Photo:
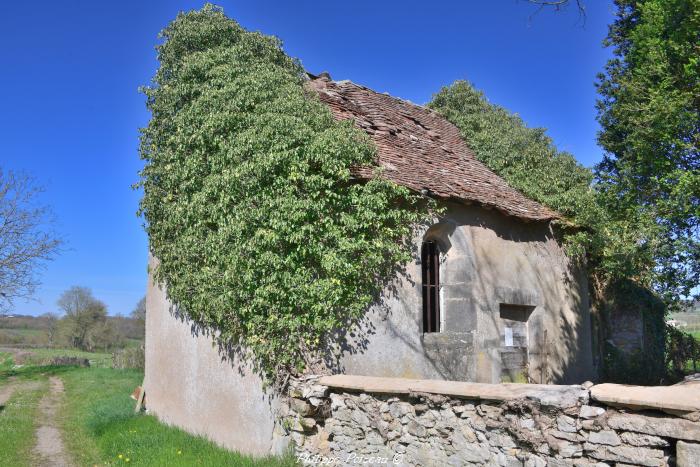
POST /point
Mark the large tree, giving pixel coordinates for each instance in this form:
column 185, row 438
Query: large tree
column 26, row 238
column 649, row 111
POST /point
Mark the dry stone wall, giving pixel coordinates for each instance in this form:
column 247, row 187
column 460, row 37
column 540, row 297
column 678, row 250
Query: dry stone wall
column 508, row 425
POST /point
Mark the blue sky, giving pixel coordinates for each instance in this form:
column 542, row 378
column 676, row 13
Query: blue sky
column 71, row 110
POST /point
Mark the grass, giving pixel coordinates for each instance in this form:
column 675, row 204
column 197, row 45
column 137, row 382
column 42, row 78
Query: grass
column 44, row 356
column 100, row 426
column 17, row 424
column 25, row 332
column 97, row 421
column 6, row 363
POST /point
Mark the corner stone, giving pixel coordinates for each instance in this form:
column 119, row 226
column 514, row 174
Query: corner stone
column 687, row 454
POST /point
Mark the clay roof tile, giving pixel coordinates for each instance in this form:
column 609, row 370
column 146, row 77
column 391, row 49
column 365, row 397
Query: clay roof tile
column 422, row 150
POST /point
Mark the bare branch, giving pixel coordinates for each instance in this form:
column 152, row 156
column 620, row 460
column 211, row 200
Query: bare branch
column 26, row 242
column 559, row 5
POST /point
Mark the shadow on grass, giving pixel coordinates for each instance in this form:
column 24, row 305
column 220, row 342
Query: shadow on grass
column 30, row 372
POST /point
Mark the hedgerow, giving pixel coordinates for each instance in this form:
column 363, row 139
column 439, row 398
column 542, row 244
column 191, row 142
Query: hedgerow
column 260, row 229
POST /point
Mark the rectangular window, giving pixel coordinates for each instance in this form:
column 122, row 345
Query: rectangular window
column 430, row 265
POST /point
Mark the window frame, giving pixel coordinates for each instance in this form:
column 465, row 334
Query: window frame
column 431, row 287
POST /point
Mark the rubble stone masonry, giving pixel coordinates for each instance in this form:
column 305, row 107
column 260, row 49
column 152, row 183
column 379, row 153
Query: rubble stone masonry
column 355, row 420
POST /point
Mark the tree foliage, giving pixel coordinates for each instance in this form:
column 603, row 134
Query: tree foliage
column 260, row 230
column 85, row 325
column 649, row 112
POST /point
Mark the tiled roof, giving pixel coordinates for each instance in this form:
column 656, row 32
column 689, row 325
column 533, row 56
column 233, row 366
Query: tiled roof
column 422, row 150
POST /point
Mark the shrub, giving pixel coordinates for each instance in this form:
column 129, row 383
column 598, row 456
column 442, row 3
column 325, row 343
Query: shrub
column 130, row 357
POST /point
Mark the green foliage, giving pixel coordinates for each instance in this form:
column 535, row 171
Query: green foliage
column 528, row 160
column 644, row 366
column 85, row 325
column 525, row 157
column 260, row 229
column 649, row 112
column 683, row 351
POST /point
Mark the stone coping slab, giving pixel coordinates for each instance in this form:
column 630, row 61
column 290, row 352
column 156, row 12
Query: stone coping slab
column 681, row 397
column 546, row 394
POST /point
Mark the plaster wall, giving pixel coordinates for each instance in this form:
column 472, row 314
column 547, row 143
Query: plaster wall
column 192, row 384
column 489, row 260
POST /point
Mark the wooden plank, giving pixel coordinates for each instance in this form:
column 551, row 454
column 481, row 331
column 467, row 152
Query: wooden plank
column 139, row 399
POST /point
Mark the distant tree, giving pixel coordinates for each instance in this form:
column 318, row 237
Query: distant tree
column 558, row 4
column 26, row 242
column 85, row 324
column 139, row 312
column 51, row 320
column 139, row 315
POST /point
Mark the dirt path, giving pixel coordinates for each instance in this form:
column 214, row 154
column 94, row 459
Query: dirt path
column 49, row 449
column 8, row 390
column 5, row 394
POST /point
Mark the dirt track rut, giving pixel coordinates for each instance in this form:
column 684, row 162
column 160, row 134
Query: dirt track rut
column 49, row 449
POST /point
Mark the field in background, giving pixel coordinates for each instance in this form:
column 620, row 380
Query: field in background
column 97, row 420
column 688, row 322
column 41, row 331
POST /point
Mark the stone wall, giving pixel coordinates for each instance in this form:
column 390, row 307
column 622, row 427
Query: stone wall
column 346, row 420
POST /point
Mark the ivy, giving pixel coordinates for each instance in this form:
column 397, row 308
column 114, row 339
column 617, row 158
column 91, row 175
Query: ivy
column 261, row 232
column 527, row 159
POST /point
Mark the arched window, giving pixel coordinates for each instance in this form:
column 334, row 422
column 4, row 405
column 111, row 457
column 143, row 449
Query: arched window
column 430, row 265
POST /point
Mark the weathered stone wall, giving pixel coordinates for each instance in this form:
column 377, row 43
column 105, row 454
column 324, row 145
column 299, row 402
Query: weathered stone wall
column 488, row 261
column 527, row 425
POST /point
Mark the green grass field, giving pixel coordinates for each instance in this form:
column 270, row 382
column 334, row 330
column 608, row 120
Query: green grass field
column 26, row 332
column 98, row 423
column 44, row 356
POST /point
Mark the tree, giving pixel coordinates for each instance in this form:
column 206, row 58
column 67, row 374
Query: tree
column 139, row 312
column 260, row 230
column 26, row 242
column 137, row 321
column 649, row 112
column 51, row 320
column 85, row 324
